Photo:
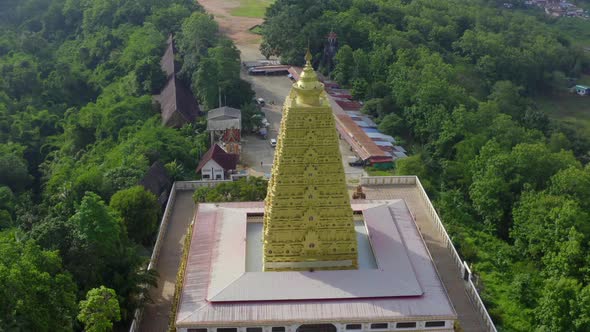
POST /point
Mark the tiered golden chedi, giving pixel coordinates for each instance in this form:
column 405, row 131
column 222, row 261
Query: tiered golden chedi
column 308, row 221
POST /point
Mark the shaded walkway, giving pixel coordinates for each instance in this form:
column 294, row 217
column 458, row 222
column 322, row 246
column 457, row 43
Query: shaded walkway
column 156, row 315
column 468, row 316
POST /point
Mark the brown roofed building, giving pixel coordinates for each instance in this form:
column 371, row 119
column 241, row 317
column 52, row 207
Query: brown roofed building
column 157, row 181
column 177, row 102
column 216, row 164
column 168, row 62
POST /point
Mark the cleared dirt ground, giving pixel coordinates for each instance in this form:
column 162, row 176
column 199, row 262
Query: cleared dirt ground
column 235, row 27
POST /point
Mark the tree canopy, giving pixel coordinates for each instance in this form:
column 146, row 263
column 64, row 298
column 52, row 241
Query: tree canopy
column 455, row 82
column 37, row 293
column 99, row 310
column 79, row 129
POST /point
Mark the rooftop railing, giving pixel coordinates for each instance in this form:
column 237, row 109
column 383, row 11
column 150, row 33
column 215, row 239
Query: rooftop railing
column 461, row 266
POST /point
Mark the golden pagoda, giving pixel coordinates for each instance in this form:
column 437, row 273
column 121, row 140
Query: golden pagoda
column 308, row 220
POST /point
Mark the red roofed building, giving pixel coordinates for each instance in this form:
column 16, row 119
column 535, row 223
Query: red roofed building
column 349, row 105
column 216, row 164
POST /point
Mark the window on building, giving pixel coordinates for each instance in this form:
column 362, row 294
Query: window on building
column 378, row 326
column 227, row 329
column 438, row 323
column 197, row 330
column 217, row 176
column 354, row 327
column 205, row 176
column 278, row 329
column 254, row 329
column 405, row 325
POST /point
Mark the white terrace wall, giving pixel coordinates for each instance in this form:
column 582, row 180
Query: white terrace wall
column 179, row 185
column 461, row 266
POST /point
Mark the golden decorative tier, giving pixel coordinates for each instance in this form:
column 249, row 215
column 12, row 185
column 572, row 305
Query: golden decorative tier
column 308, row 221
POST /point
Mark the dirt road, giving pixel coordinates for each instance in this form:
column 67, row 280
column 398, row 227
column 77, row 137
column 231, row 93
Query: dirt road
column 273, row 89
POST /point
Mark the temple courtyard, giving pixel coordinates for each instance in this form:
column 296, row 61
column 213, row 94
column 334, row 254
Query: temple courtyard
column 156, row 315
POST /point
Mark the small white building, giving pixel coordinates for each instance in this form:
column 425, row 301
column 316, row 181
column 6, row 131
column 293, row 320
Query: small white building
column 216, row 164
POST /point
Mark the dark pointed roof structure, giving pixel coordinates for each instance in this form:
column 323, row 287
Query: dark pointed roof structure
column 177, row 102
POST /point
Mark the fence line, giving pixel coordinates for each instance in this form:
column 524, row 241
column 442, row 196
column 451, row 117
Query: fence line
column 179, row 185
column 192, row 185
column 461, row 266
column 138, row 314
column 388, row 180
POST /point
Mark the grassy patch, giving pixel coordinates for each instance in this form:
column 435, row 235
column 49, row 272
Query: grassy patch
column 569, row 108
column 576, row 28
column 379, row 172
column 251, row 8
column 257, row 29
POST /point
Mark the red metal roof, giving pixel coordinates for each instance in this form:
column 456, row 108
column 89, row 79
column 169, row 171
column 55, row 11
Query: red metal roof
column 361, row 143
column 225, row 160
column 349, row 105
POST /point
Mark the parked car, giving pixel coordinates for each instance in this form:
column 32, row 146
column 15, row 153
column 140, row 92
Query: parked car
column 273, row 142
column 357, row 163
column 260, row 102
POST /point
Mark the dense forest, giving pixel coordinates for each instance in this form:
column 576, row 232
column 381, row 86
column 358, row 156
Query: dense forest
column 78, row 129
column 454, row 80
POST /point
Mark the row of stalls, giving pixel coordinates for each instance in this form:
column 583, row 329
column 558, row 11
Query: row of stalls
column 359, row 130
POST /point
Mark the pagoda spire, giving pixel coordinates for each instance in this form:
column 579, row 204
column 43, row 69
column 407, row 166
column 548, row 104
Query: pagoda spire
column 308, row 88
column 308, row 220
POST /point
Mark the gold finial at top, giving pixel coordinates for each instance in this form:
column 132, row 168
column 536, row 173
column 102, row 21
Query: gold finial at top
column 308, row 57
column 308, row 87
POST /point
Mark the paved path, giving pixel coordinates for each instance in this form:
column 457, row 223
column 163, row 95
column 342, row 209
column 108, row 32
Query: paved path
column 155, row 315
column 468, row 317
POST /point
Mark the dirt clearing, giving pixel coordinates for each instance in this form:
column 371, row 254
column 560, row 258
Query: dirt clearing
column 237, row 27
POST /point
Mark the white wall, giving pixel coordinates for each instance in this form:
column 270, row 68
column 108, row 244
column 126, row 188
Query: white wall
column 212, row 171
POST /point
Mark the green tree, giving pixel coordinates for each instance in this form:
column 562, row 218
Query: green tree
column 14, row 172
column 169, row 18
column 392, row 124
column 37, row 293
column 99, row 310
column 144, row 42
column 139, row 210
column 563, row 306
column 98, row 225
column 574, row 183
column 20, row 72
column 204, row 83
column 344, row 70
column 251, row 117
column 509, row 99
column 499, row 177
column 198, row 33
column 250, row 189
column 542, row 222
column 569, row 258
